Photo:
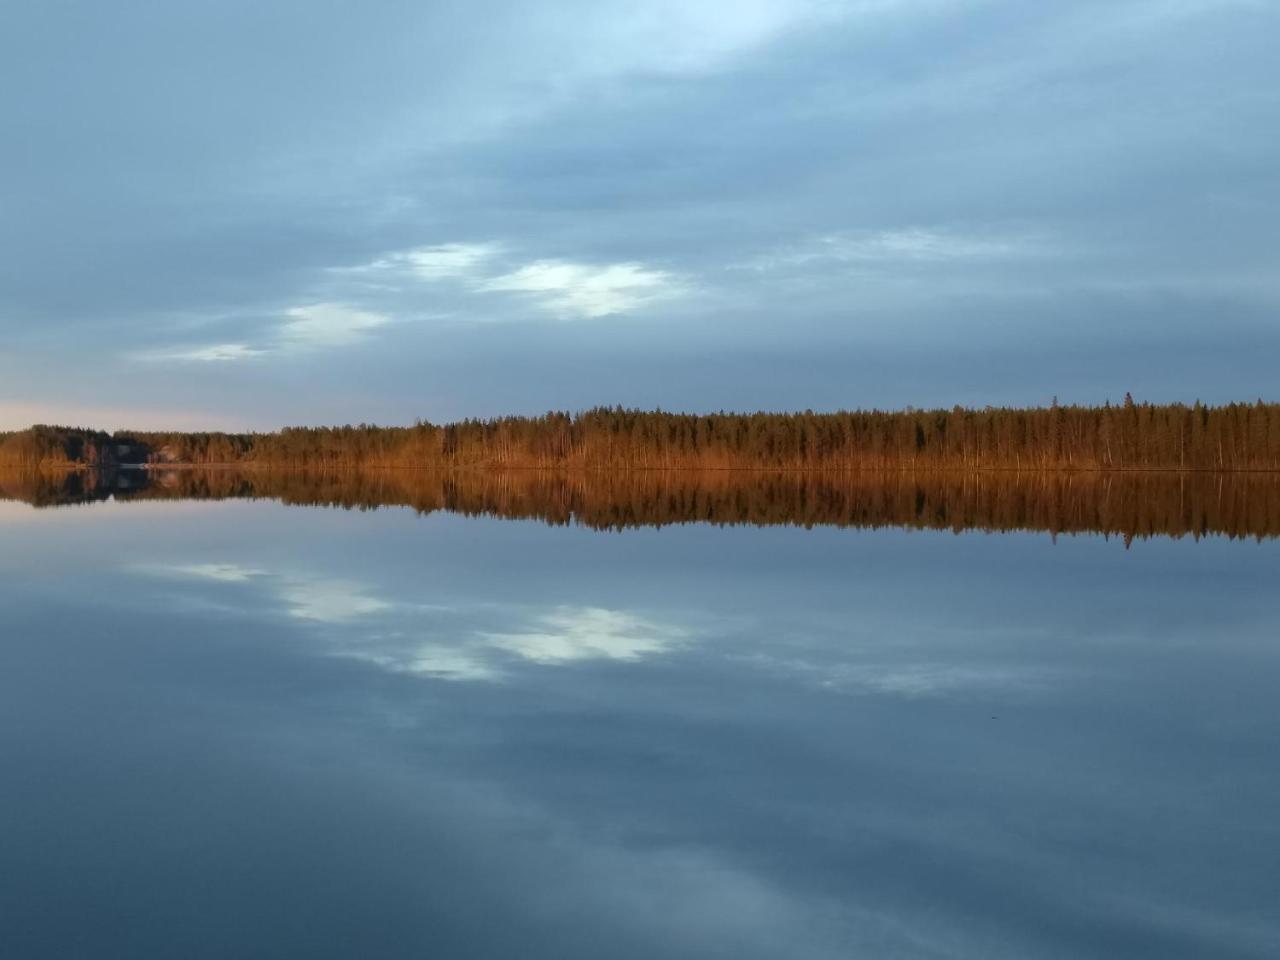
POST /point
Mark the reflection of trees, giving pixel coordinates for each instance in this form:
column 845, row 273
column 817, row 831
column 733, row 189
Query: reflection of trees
column 1122, row 504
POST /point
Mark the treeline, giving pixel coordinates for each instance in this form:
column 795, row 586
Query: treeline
column 57, row 446
column 1130, row 436
column 1122, row 504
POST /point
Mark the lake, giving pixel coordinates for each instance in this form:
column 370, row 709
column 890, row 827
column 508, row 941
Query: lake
column 542, row 718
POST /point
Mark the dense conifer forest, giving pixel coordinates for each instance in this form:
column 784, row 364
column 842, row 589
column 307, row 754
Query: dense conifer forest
column 1129, row 436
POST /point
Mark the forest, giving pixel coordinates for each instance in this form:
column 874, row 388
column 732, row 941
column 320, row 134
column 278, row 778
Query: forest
column 1127, row 436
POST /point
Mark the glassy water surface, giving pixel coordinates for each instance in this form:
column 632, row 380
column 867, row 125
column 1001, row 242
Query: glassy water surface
column 240, row 728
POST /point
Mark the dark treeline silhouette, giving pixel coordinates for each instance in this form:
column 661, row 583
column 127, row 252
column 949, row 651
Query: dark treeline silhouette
column 1131, row 436
column 1127, row 505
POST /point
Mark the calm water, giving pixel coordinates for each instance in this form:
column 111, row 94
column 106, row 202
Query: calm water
column 242, row 729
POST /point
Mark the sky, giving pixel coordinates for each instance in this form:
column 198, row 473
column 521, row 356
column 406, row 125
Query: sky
column 242, row 215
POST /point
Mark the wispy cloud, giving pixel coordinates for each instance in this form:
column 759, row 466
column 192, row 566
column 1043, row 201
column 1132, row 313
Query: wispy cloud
column 917, row 243
column 906, row 245
column 442, row 661
column 307, row 326
column 220, row 572
column 449, row 260
column 210, row 353
column 583, row 290
column 561, row 288
column 328, row 324
column 445, row 261
column 399, row 281
column 588, row 161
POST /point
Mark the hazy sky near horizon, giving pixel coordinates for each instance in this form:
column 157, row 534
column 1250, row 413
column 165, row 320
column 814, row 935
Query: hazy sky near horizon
column 244, row 214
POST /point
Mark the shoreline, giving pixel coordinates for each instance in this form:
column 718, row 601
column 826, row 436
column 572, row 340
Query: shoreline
column 498, row 468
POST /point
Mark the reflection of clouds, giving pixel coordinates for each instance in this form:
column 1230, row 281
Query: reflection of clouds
column 564, row 635
column 936, row 679
column 403, row 652
column 475, row 642
column 330, row 601
column 307, row 598
column 484, row 642
column 708, row 901
column 451, row 663
column 909, row 678
column 588, row 633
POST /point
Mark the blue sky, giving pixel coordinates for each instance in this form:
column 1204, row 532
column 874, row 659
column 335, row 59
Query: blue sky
column 237, row 214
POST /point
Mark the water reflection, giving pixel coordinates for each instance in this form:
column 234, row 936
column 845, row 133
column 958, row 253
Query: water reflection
column 1126, row 505
column 457, row 641
column 237, row 729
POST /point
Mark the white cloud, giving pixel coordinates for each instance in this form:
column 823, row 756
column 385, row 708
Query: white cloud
column 212, row 353
column 221, row 572
column 445, row 261
column 563, row 288
column 324, row 324
column 448, row 260
column 329, row 324
column 906, row 246
column 583, row 290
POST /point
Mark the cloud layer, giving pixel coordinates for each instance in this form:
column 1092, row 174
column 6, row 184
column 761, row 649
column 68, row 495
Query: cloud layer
column 443, row 210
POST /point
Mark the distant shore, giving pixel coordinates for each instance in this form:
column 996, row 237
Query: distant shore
column 1238, row 437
